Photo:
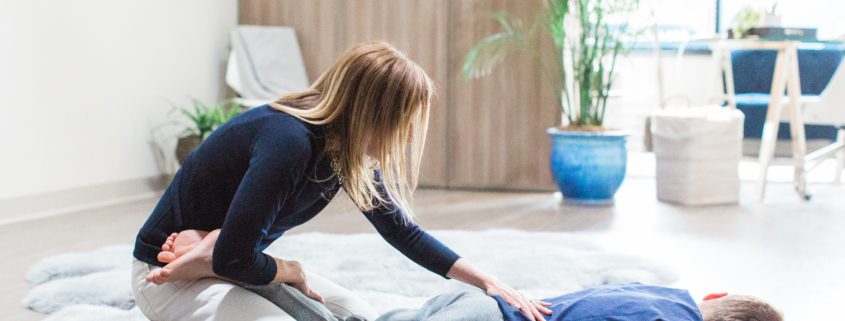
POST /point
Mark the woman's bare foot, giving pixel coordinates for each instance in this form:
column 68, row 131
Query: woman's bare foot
column 177, row 244
column 191, row 263
column 166, row 255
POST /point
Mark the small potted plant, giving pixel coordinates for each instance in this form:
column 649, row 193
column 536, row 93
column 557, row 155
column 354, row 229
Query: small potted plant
column 749, row 20
column 588, row 160
column 204, row 120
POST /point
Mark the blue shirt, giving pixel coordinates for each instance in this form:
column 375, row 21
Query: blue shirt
column 621, row 302
column 255, row 177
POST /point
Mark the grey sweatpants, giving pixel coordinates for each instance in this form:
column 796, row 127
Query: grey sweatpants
column 463, row 306
column 215, row 299
column 471, row 305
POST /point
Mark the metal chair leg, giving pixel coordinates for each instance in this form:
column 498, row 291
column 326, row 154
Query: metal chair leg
column 840, row 155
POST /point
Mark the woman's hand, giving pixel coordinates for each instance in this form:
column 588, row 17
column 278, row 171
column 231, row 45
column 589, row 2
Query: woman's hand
column 534, row 309
column 290, row 272
column 465, row 272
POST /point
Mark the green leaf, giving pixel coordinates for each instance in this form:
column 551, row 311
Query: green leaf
column 492, row 50
column 585, row 54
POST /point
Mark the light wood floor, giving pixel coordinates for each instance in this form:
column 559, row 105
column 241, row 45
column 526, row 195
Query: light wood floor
column 785, row 250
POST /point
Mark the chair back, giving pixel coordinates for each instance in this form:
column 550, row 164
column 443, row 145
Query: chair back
column 753, row 69
column 265, row 62
column 830, row 107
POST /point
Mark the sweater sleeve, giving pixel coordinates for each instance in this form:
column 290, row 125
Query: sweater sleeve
column 393, row 224
column 278, row 160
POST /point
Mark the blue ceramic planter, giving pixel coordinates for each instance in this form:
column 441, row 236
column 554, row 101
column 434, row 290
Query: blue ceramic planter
column 588, row 166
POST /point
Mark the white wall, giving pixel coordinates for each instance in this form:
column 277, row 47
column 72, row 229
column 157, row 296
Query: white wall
column 82, row 82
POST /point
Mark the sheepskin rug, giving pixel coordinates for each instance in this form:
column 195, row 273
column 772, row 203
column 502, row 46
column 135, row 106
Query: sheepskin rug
column 95, row 285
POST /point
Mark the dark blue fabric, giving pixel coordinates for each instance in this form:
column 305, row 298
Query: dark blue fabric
column 753, row 71
column 621, row 302
column 257, row 176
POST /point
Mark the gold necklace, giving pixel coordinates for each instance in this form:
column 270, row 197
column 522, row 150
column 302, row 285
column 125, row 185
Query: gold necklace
column 337, row 169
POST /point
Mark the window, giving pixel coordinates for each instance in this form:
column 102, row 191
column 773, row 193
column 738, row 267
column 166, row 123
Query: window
column 825, row 15
column 678, row 21
column 681, row 21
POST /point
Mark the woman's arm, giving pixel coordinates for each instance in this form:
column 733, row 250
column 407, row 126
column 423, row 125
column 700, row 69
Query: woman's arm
column 392, row 223
column 463, row 271
column 412, row 241
column 279, row 157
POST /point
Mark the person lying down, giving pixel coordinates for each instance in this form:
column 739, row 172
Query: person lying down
column 622, row 302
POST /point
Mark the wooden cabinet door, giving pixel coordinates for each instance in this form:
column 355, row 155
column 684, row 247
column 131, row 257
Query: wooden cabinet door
column 484, row 134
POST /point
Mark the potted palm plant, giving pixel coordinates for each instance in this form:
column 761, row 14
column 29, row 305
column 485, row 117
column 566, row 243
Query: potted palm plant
column 588, row 160
column 204, row 120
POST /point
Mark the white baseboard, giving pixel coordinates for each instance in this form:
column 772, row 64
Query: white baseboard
column 79, row 199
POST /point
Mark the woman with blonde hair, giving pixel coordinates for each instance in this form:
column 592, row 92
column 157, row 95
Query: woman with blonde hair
column 275, row 167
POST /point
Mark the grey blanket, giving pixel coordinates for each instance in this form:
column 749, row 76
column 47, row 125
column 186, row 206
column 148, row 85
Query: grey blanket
column 457, row 306
column 268, row 62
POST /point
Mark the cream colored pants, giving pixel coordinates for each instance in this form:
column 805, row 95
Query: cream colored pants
column 215, row 299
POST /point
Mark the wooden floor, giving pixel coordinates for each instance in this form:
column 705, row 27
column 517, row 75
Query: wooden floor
column 785, row 250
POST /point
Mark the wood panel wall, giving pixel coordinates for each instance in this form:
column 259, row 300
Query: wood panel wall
column 484, row 134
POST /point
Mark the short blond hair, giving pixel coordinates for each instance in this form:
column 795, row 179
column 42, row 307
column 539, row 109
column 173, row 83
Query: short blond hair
column 739, row 308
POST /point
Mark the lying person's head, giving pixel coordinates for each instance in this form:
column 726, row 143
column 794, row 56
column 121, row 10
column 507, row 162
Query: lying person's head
column 723, row 307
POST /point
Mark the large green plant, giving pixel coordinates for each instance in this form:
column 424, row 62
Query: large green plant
column 588, row 35
column 205, row 119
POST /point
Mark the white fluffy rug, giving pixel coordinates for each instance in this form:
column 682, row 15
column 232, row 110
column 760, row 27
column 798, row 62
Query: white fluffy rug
column 95, row 285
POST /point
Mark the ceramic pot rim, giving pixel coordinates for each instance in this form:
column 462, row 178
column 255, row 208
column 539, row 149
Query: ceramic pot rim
column 555, row 131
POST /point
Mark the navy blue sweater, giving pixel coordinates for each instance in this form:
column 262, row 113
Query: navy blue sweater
column 255, row 177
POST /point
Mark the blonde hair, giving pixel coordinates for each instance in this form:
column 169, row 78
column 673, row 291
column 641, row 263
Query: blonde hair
column 739, row 308
column 374, row 93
